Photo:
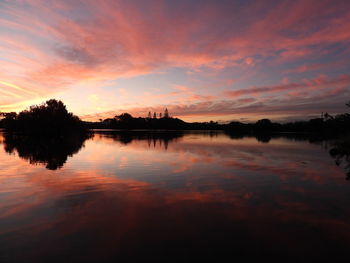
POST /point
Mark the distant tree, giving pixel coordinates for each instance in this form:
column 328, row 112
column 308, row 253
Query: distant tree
column 154, row 115
column 327, row 116
column 124, row 117
column 348, row 104
column 166, row 113
column 149, row 115
column 263, row 122
column 263, row 125
column 160, row 115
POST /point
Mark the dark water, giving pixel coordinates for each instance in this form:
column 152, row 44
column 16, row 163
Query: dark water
column 172, row 196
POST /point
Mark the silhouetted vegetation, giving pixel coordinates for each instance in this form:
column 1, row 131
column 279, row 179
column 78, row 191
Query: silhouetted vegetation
column 339, row 124
column 49, row 151
column 126, row 121
column 50, row 117
column 327, row 125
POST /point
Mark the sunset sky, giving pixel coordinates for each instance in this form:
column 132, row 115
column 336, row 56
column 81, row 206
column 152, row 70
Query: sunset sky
column 203, row 60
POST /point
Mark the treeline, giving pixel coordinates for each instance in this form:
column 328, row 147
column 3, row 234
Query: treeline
column 327, row 124
column 52, row 117
column 127, row 121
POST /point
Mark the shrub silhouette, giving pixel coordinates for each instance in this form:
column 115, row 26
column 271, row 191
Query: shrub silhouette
column 50, row 117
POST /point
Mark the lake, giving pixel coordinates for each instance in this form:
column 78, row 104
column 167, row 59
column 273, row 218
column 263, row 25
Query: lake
column 172, row 196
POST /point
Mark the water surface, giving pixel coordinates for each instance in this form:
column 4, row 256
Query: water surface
column 122, row 195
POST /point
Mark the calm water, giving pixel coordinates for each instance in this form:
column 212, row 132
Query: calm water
column 123, row 195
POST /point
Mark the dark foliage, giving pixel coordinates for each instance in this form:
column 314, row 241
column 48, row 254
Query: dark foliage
column 334, row 125
column 327, row 125
column 126, row 121
column 50, row 117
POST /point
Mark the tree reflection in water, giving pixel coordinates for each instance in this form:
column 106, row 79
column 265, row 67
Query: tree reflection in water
column 54, row 151
column 49, row 151
column 154, row 138
column 340, row 151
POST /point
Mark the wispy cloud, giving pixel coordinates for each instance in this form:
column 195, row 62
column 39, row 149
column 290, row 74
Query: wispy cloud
column 50, row 47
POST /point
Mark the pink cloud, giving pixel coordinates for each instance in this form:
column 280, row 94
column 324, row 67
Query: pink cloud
column 54, row 46
column 317, row 83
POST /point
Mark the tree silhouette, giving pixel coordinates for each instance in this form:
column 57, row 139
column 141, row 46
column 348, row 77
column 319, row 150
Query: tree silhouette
column 50, row 117
column 124, row 117
column 154, row 115
column 166, row 113
column 327, row 116
column 263, row 125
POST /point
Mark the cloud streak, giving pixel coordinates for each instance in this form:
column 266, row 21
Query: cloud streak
column 316, row 84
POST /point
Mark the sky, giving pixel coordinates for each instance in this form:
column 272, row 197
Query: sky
column 203, row 60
